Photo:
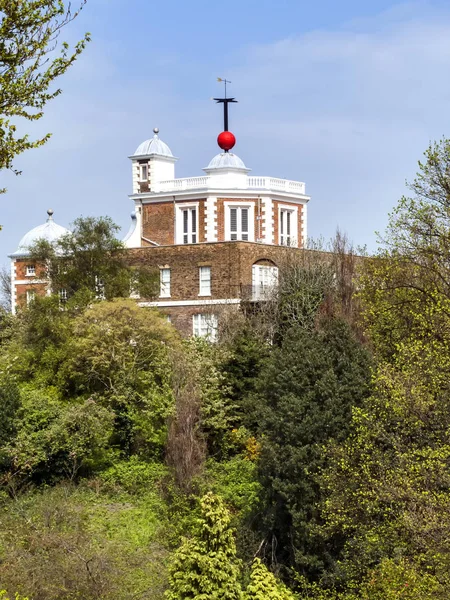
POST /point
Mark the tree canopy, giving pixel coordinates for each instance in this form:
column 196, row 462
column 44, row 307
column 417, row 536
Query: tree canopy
column 29, row 66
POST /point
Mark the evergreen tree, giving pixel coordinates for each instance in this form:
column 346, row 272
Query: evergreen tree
column 205, row 567
column 305, row 397
column 264, row 585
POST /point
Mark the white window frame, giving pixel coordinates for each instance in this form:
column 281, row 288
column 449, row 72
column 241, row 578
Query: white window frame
column 251, row 220
column 63, row 295
column 143, row 169
column 264, row 281
column 204, row 279
column 164, row 282
column 31, row 271
column 179, row 223
column 205, row 325
column 31, row 296
column 291, row 239
column 99, row 288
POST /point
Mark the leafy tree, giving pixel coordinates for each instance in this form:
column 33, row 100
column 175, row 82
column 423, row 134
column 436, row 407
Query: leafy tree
column 304, row 398
column 264, row 586
column 29, row 31
column 91, row 263
column 205, row 566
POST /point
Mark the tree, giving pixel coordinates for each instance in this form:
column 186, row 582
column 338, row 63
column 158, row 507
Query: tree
column 90, row 262
column 5, row 289
column 264, row 585
column 305, row 396
column 29, row 31
column 205, row 566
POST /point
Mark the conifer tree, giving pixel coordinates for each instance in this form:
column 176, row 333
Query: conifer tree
column 264, row 585
column 205, row 567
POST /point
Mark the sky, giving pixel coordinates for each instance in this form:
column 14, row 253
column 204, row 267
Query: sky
column 345, row 96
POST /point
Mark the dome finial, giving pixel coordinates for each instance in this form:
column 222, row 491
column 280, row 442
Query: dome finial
column 50, row 214
column 156, row 130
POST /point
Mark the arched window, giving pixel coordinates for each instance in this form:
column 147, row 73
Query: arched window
column 264, row 279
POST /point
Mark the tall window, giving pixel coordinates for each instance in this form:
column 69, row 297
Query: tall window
column 205, row 326
column 164, row 283
column 31, row 295
column 239, row 223
column 189, row 216
column 144, row 172
column 205, row 281
column 31, row 270
column 264, row 280
column 63, row 295
column 287, row 225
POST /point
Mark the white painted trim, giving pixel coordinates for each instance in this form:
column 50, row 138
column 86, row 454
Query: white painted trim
column 267, row 221
column 211, row 219
column 304, row 226
column 186, row 196
column 251, row 219
column 294, row 211
column 179, row 222
column 175, row 303
column 29, row 282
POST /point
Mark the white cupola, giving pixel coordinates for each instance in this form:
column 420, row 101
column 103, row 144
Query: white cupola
column 152, row 162
column 227, row 170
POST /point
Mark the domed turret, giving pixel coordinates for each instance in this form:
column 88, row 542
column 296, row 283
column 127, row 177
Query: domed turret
column 226, row 160
column 153, row 162
column 48, row 231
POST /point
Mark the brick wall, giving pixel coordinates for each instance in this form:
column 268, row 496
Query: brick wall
column 158, row 223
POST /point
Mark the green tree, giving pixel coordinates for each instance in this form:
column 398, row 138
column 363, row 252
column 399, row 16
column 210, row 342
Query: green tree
column 29, row 31
column 264, row 585
column 205, row 566
column 304, row 398
column 90, row 262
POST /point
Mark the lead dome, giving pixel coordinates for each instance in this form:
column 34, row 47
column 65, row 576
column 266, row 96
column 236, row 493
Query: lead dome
column 153, row 147
column 226, row 160
column 49, row 231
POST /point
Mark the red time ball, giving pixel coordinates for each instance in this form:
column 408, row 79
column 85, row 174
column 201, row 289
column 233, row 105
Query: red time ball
column 226, row 140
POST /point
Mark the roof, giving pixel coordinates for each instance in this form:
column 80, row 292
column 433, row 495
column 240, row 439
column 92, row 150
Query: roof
column 226, row 160
column 153, row 147
column 48, row 231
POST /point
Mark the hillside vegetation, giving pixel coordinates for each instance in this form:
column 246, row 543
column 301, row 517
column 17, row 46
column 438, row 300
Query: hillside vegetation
column 306, row 455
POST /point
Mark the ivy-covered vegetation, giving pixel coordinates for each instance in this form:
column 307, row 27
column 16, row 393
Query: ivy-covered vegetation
column 305, row 455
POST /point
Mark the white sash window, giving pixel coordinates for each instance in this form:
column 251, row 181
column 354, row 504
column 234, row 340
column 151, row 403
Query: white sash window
column 164, row 283
column 187, row 224
column 288, row 226
column 239, row 222
column 205, row 281
column 264, row 280
column 205, row 326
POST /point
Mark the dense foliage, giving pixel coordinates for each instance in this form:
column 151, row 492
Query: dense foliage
column 306, row 455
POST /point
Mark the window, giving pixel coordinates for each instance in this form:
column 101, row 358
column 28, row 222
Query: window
column 31, row 270
column 205, row 281
column 264, row 280
column 205, row 326
column 288, row 226
column 239, row 221
column 164, row 283
column 31, row 295
column 63, row 296
column 189, row 225
column 99, row 288
column 144, row 172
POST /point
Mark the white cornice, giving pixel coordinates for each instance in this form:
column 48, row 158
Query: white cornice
column 200, row 194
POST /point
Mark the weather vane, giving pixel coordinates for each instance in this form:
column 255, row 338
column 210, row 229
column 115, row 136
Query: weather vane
column 225, row 101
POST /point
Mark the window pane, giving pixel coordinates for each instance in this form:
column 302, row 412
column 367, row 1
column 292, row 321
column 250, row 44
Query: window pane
column 244, row 221
column 194, row 220
column 164, row 290
column 281, row 223
column 244, row 237
column 205, row 281
column 233, row 221
column 288, row 222
column 185, row 222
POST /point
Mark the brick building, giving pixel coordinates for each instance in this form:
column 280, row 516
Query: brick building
column 216, row 239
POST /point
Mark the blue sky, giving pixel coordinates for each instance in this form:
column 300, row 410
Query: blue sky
column 342, row 95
